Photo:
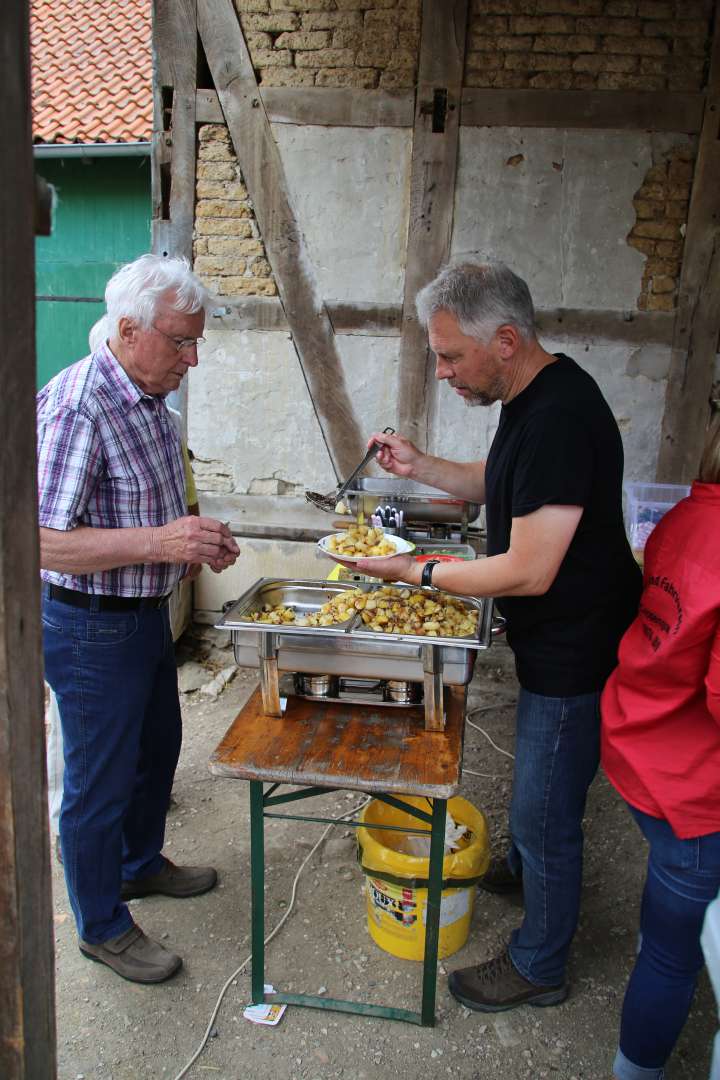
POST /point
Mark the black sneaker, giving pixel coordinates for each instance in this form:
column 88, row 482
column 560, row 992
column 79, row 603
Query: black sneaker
column 500, row 878
column 497, row 985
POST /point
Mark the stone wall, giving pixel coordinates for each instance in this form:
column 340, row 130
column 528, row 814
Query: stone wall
column 229, row 255
column 360, row 43
column 589, row 44
column 661, row 208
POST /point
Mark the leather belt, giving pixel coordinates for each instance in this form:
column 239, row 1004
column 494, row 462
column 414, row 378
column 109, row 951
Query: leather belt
column 105, row 603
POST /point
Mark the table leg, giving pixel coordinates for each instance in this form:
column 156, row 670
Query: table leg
column 269, row 685
column 432, row 925
column 433, row 687
column 257, row 891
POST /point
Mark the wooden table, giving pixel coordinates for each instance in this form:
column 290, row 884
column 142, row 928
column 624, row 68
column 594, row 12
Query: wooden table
column 326, row 746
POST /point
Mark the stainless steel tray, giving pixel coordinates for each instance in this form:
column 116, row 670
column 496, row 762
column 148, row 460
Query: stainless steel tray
column 305, row 597
column 420, row 502
column 347, row 648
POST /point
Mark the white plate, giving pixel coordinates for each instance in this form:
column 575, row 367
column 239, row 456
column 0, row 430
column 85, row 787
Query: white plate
column 402, row 547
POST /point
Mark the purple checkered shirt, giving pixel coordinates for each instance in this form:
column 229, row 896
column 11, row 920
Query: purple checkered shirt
column 109, row 456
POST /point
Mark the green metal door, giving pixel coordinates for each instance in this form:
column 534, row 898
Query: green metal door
column 101, row 220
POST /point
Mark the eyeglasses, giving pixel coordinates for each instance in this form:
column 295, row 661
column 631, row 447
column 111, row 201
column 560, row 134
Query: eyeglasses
column 181, row 343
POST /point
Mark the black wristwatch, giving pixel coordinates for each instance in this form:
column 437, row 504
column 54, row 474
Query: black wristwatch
column 426, row 578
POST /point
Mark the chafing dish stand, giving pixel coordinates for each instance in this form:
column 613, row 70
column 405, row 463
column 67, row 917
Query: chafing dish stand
column 322, row 747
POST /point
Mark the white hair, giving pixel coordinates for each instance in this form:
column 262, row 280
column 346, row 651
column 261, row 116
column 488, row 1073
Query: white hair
column 137, row 290
column 482, row 297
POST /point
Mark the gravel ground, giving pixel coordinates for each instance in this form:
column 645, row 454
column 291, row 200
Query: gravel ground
column 110, row 1029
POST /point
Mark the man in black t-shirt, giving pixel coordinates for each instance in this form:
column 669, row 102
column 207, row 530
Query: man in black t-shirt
column 563, row 575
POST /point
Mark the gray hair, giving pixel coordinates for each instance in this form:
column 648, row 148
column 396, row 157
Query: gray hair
column 482, row 297
column 138, row 289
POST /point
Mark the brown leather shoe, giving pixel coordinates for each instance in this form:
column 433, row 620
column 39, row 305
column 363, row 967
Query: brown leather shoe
column 500, row 879
column 497, row 985
column 134, row 956
column 171, row 880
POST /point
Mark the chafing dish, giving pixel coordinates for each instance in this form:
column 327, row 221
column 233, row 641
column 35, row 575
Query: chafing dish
column 418, row 502
column 349, row 649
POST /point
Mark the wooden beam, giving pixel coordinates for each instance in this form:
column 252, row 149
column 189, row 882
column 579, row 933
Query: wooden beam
column 621, row 109
column 27, row 969
column 596, row 327
column 262, row 169
column 266, row 313
column 697, row 324
column 385, row 320
column 173, row 140
column 340, row 108
column 322, row 107
column 432, row 194
column 624, row 110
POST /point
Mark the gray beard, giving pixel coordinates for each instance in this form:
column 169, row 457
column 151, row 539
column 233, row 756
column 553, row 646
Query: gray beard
column 479, row 399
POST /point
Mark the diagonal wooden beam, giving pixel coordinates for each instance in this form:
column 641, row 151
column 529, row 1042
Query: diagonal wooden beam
column 432, row 194
column 262, row 169
column 697, row 325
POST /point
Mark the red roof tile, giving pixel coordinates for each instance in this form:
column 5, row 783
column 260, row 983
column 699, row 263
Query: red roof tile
column 91, row 70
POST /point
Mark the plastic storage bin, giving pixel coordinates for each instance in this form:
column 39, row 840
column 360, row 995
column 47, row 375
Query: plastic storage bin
column 396, row 882
column 646, row 504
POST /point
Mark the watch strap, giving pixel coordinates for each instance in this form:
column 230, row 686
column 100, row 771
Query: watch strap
column 426, row 578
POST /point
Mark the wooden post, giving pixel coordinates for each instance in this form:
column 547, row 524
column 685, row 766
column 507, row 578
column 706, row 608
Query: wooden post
column 173, row 141
column 27, row 996
column 262, row 170
column 697, row 324
column 174, row 43
column 432, row 195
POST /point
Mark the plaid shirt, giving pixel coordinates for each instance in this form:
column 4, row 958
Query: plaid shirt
column 109, row 456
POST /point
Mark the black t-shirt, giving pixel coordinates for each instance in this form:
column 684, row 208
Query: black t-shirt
column 558, row 444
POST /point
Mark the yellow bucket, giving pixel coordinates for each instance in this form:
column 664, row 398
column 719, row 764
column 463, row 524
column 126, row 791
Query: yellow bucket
column 396, row 882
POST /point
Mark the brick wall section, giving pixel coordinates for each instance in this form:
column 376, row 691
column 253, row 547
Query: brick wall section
column 661, row 208
column 359, row 43
column 229, row 256
column 589, row 44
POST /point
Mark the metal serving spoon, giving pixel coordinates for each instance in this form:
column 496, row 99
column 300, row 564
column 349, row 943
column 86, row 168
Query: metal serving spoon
column 329, row 502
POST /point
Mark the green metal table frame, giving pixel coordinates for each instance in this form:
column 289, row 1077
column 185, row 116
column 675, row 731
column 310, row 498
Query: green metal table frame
column 259, row 801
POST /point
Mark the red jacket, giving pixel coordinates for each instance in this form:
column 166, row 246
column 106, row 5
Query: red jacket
column 661, row 705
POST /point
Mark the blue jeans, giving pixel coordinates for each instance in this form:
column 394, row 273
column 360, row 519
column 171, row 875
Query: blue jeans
column 115, row 679
column 683, row 877
column 556, row 757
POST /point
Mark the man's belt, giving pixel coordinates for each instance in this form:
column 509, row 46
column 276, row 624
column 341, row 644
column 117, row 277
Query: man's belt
column 105, row 603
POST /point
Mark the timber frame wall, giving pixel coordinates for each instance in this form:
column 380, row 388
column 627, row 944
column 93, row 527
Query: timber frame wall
column 435, row 109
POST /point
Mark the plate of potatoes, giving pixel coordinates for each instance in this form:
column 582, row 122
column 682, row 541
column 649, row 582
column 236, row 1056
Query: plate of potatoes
column 363, row 542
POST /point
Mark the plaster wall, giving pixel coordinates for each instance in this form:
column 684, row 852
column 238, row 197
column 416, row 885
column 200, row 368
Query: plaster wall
column 557, row 206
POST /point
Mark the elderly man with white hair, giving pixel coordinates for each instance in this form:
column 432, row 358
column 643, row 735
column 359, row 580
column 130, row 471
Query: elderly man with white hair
column 115, row 539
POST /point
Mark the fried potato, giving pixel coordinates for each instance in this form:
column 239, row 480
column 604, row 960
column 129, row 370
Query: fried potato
column 361, row 540
column 337, row 610
column 399, row 611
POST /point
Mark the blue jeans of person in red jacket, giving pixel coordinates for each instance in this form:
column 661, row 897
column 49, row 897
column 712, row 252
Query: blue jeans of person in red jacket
column 683, row 877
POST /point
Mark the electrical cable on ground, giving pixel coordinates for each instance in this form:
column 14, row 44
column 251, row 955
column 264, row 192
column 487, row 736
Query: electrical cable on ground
column 184, row 1071
column 486, row 708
